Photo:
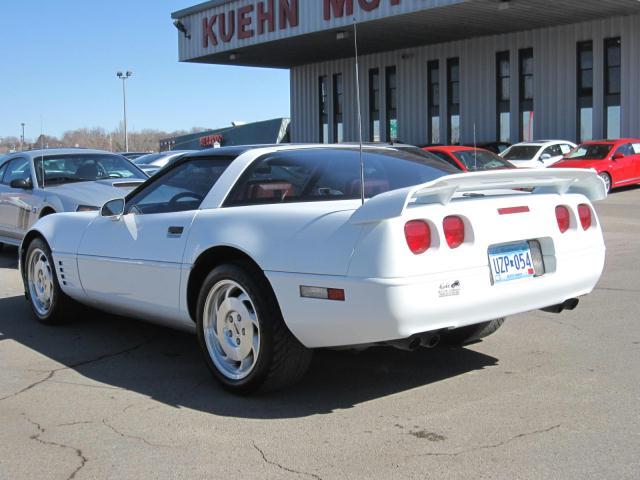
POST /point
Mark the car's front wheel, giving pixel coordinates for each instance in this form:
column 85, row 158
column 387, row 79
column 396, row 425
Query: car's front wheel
column 242, row 334
column 607, row 181
column 48, row 302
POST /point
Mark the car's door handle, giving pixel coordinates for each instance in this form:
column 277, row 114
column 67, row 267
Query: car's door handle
column 175, row 230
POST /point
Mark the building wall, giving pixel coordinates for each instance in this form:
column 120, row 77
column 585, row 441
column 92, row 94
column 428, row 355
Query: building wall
column 555, row 77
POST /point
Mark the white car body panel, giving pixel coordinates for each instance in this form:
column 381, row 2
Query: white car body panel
column 132, row 266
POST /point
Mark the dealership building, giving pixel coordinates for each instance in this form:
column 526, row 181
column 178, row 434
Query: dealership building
column 435, row 71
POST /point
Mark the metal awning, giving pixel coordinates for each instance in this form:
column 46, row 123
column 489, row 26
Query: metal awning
column 456, row 20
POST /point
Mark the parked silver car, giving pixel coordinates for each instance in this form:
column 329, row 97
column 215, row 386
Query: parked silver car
column 40, row 182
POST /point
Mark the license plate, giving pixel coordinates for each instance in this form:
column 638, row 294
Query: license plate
column 511, row 262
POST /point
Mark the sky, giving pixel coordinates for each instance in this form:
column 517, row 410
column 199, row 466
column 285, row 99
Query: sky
column 59, row 62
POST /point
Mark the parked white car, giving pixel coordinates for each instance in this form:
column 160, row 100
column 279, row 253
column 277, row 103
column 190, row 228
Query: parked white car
column 268, row 253
column 541, row 154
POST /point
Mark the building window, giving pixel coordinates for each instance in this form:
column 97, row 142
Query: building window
column 453, row 100
column 433, row 95
column 374, row 105
column 338, row 124
column 612, row 86
column 503, row 96
column 391, row 122
column 585, row 91
column 323, row 95
column 526, row 95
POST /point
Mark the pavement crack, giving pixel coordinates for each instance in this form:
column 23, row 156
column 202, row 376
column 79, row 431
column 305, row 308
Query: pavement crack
column 42, row 431
column 133, row 437
column 488, row 446
column 282, row 467
column 52, row 372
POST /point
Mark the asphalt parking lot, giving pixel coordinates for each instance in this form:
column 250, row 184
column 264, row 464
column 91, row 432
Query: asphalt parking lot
column 548, row 396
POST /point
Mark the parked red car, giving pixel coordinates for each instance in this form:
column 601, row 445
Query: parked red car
column 616, row 161
column 469, row 159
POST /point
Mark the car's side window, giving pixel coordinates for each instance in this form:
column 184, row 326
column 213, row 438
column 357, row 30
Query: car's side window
column 625, row 149
column 565, row 149
column 180, row 189
column 17, row 169
column 553, row 151
column 3, row 167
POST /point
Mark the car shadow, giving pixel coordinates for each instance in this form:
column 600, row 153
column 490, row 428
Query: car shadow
column 166, row 366
column 9, row 257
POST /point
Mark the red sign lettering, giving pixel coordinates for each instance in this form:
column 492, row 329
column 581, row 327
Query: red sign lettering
column 227, row 29
column 288, row 10
column 340, row 8
column 266, row 16
column 211, row 140
column 244, row 21
column 207, row 32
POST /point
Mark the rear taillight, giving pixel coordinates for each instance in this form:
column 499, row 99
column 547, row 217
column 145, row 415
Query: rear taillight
column 584, row 212
column 418, row 235
column 563, row 217
column 453, row 231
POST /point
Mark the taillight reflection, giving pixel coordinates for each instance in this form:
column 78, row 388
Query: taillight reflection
column 418, row 235
column 563, row 217
column 584, row 212
column 453, row 231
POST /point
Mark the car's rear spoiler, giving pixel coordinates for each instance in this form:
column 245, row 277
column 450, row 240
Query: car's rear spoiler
column 555, row 180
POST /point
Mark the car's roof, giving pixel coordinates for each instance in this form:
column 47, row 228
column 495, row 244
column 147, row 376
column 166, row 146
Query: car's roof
column 612, row 142
column 539, row 143
column 455, row 148
column 59, row 151
column 240, row 149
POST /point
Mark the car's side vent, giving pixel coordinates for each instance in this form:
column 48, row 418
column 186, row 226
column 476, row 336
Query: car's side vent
column 61, row 270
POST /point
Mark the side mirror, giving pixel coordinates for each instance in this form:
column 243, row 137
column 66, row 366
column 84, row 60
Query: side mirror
column 618, row 156
column 544, row 157
column 22, row 183
column 113, row 208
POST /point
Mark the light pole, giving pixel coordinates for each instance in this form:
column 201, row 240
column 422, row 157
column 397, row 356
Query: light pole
column 123, row 77
column 22, row 137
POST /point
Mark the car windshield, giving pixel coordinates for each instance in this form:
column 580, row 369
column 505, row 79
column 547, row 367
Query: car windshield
column 84, row 167
column 521, row 152
column 481, row 160
column 594, row 151
column 314, row 175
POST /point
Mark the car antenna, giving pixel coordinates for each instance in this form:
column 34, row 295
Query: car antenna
column 355, row 44
column 475, row 149
column 42, row 147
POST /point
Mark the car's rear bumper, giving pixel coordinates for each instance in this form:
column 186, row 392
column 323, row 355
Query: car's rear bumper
column 379, row 310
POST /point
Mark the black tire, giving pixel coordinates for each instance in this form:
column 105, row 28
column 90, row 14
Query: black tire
column 62, row 308
column 282, row 360
column 607, row 180
column 472, row 333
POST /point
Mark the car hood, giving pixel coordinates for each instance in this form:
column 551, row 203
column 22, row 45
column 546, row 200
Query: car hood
column 93, row 193
column 578, row 164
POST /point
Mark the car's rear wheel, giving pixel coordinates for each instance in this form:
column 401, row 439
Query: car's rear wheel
column 48, row 302
column 242, row 334
column 607, row 180
column 472, row 333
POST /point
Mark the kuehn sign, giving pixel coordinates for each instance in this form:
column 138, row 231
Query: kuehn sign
column 265, row 16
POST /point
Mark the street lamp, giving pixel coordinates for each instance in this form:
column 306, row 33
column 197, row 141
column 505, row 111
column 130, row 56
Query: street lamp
column 22, row 137
column 123, row 77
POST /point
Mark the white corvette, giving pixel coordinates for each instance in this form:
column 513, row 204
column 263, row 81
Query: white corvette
column 268, row 252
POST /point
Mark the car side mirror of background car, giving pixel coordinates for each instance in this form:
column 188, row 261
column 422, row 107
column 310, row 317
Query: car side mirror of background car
column 618, row 156
column 545, row 156
column 113, row 208
column 22, row 183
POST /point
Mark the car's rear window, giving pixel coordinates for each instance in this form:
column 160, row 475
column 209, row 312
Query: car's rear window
column 332, row 174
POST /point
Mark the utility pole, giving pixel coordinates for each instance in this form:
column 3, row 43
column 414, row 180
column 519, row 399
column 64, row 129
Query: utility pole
column 22, row 138
column 124, row 77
